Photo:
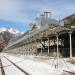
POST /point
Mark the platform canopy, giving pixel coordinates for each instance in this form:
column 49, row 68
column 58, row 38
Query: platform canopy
column 44, row 31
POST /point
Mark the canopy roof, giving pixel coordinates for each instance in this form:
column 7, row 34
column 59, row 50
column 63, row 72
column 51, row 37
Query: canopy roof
column 44, row 31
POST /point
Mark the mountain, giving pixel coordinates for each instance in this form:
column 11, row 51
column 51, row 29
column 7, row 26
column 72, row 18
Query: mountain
column 2, row 42
column 69, row 21
column 12, row 31
column 6, row 34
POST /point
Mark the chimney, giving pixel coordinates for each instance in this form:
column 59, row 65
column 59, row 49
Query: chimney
column 47, row 14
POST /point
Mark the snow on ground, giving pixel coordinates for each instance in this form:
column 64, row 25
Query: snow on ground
column 36, row 66
column 10, row 69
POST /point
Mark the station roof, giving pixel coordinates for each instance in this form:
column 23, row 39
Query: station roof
column 48, row 30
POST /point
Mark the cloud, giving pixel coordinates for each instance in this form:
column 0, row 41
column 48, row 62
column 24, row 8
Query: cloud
column 10, row 10
column 26, row 10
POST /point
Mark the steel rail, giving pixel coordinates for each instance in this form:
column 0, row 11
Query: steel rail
column 26, row 73
column 73, row 73
column 1, row 67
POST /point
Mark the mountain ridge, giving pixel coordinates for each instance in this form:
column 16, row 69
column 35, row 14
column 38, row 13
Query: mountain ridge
column 6, row 34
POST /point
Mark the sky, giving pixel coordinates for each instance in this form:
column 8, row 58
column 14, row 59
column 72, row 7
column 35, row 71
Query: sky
column 18, row 14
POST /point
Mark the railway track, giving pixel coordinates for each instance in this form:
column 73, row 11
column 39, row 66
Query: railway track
column 26, row 73
column 1, row 68
column 22, row 70
column 69, row 72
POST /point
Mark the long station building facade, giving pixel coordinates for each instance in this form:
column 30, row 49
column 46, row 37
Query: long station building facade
column 46, row 36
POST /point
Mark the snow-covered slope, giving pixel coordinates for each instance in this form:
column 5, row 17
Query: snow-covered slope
column 12, row 31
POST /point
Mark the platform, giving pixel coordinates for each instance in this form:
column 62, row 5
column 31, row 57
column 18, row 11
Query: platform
column 34, row 65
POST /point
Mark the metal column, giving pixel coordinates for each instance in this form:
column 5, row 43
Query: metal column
column 57, row 47
column 57, row 50
column 48, row 46
column 41, row 48
column 70, row 44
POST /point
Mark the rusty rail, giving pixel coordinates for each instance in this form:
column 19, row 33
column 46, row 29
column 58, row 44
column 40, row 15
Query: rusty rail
column 26, row 73
column 1, row 67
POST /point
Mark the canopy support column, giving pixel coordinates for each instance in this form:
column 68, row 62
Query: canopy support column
column 57, row 49
column 70, row 38
column 48, row 46
column 41, row 48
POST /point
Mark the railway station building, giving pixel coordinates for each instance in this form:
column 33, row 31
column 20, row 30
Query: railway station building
column 46, row 37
